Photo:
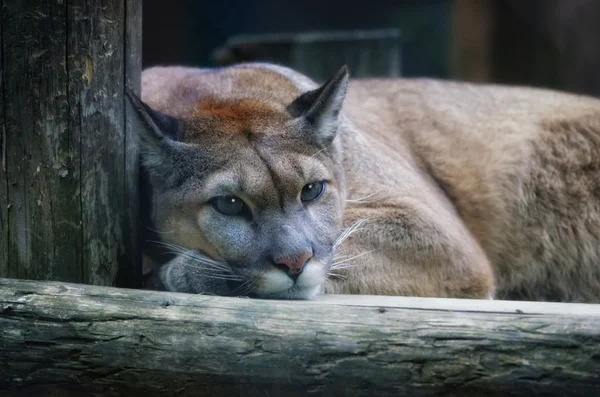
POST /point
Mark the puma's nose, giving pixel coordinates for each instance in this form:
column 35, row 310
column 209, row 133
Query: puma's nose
column 293, row 266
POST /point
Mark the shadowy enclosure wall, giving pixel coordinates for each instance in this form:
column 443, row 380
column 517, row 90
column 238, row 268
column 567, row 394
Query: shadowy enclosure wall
column 68, row 176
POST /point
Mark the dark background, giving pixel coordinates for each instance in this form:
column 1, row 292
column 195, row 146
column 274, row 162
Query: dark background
column 547, row 43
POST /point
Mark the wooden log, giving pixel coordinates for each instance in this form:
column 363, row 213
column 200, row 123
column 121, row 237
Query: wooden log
column 59, row 339
column 68, row 169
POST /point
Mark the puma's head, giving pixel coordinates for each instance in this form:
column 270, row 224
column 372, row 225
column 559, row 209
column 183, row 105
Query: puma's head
column 252, row 183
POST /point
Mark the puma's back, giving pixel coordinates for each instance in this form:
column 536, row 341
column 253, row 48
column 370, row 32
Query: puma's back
column 459, row 190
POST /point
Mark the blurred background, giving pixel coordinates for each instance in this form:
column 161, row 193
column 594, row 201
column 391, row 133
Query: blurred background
column 544, row 43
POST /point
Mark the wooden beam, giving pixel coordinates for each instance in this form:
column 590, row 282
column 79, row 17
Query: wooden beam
column 131, row 266
column 4, row 207
column 69, row 175
column 472, row 40
column 550, row 43
column 74, row 340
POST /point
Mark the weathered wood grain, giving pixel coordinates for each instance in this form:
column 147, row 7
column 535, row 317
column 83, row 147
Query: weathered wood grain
column 70, row 340
column 3, row 178
column 133, row 66
column 38, row 143
column 68, row 154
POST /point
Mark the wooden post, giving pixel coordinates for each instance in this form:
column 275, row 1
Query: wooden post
column 472, row 40
column 78, row 340
column 69, row 165
column 3, row 180
column 561, row 50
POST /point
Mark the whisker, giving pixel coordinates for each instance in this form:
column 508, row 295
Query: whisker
column 207, row 267
column 319, row 151
column 194, row 255
column 348, row 232
column 240, row 287
column 216, row 276
column 206, row 261
column 200, row 265
column 164, row 244
column 340, row 276
column 208, row 270
column 244, row 289
column 335, row 258
column 346, row 267
column 202, row 273
column 335, row 265
column 156, row 230
column 219, row 277
column 364, row 199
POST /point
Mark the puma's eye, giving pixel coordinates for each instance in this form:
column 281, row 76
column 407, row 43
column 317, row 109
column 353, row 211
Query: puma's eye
column 229, row 205
column 312, row 191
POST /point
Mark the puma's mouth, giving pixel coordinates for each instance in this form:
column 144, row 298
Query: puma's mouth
column 275, row 284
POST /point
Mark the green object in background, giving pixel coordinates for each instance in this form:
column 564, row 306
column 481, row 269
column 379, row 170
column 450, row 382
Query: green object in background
column 368, row 53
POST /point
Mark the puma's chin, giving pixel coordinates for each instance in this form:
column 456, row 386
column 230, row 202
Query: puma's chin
column 275, row 284
column 294, row 293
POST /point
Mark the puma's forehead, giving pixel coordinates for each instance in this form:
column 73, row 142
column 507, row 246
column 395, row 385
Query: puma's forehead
column 232, row 101
column 250, row 117
column 173, row 89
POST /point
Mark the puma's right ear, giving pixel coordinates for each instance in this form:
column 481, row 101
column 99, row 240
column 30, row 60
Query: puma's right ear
column 156, row 128
column 158, row 135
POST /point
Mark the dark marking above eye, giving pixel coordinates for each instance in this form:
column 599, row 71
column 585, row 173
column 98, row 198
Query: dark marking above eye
column 277, row 182
column 252, row 137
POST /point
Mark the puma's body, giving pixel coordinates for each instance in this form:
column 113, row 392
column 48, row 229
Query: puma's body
column 460, row 190
column 520, row 166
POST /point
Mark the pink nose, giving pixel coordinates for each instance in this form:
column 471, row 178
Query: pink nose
column 294, row 264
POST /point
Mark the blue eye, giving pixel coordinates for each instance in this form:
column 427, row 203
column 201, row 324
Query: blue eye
column 229, row 205
column 312, row 191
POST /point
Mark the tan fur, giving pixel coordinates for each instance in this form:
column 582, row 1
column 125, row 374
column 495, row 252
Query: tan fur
column 467, row 190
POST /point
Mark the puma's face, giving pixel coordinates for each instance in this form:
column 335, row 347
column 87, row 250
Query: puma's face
column 255, row 187
column 270, row 213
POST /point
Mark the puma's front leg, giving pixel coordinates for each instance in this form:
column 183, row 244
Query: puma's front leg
column 411, row 249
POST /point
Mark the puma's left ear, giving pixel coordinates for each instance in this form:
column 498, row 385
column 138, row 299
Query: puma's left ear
column 321, row 107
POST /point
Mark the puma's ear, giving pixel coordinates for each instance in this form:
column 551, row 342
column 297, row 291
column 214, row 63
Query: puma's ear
column 321, row 107
column 156, row 131
column 156, row 127
column 161, row 152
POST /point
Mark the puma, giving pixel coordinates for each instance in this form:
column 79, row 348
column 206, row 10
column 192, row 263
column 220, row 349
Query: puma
column 262, row 183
